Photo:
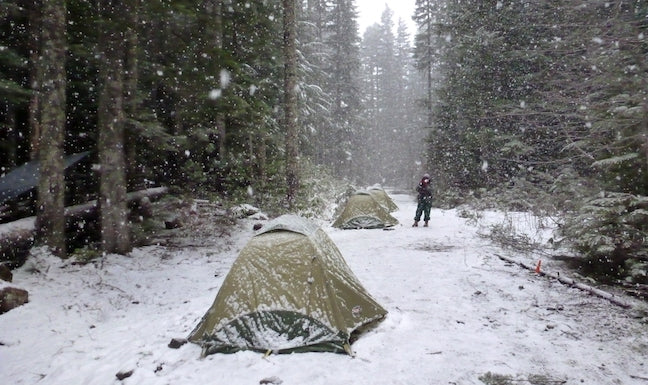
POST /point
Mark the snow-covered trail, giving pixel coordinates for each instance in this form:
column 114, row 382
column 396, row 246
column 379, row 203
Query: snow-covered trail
column 456, row 312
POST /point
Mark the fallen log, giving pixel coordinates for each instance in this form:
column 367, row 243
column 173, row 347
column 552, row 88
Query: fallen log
column 17, row 237
column 570, row 282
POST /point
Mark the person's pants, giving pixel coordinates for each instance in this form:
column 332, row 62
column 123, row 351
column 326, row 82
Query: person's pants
column 423, row 208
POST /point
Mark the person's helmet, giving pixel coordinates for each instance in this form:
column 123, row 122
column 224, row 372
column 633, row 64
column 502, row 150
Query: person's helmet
column 426, row 176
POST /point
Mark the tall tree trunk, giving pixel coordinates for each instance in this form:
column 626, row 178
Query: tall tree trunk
column 217, row 30
column 35, row 75
column 290, row 102
column 115, row 237
column 9, row 126
column 262, row 161
column 430, row 52
column 51, row 187
column 131, row 78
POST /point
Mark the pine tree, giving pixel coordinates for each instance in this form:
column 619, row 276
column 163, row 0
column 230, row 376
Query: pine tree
column 51, row 188
column 343, row 86
column 617, row 115
column 386, row 60
column 115, row 232
column 315, row 111
column 14, row 78
column 427, row 19
column 290, row 101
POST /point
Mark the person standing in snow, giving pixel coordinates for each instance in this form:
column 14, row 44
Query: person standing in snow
column 424, row 199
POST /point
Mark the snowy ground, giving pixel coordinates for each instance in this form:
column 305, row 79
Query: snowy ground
column 456, row 313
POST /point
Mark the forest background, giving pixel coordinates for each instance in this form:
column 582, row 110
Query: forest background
column 524, row 105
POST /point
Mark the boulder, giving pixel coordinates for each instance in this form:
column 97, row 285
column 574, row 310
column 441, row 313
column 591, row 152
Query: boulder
column 5, row 272
column 124, row 374
column 173, row 223
column 177, row 342
column 12, row 297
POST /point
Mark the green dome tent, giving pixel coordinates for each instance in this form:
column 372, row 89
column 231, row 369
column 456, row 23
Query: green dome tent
column 289, row 290
column 383, row 198
column 362, row 211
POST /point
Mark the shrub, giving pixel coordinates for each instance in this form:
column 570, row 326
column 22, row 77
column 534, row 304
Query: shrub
column 610, row 232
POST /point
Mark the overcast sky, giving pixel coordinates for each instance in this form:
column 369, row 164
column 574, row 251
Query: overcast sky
column 369, row 12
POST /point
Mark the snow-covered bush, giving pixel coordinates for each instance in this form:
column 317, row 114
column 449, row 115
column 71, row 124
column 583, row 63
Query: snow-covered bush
column 610, row 231
column 319, row 192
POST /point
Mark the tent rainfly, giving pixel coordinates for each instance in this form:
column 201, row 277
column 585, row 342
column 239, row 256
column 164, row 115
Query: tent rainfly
column 289, row 290
column 383, row 198
column 362, row 211
column 25, row 178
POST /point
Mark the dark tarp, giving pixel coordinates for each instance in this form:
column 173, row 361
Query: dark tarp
column 24, row 178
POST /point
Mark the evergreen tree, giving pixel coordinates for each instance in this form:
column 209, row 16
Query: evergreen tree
column 343, row 86
column 392, row 134
column 616, row 103
column 315, row 108
column 427, row 17
column 490, row 125
column 115, row 233
column 411, row 132
column 50, row 221
column 15, row 93
column 290, row 101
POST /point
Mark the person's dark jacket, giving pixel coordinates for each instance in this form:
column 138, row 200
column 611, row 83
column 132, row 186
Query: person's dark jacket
column 424, row 191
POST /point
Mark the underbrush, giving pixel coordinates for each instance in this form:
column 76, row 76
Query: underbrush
column 610, row 232
column 604, row 235
column 533, row 379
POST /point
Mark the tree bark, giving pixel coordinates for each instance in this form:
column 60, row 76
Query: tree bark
column 51, row 188
column 35, row 78
column 216, row 30
column 290, row 102
column 11, row 129
column 131, row 105
column 115, row 235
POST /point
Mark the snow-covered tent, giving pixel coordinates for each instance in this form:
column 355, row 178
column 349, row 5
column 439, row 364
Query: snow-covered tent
column 289, row 290
column 383, row 198
column 362, row 211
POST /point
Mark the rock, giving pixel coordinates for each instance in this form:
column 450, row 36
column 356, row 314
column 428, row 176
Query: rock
column 274, row 380
column 11, row 298
column 257, row 226
column 173, row 223
column 177, row 342
column 5, row 272
column 142, row 208
column 15, row 246
column 122, row 375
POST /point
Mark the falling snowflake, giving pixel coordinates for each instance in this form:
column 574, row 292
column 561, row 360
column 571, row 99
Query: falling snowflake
column 215, row 94
column 225, row 78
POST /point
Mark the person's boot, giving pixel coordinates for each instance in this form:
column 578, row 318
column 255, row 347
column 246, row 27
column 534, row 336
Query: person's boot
column 426, row 224
column 415, row 224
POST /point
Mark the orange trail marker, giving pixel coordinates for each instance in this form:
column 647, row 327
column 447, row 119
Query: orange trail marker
column 537, row 269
